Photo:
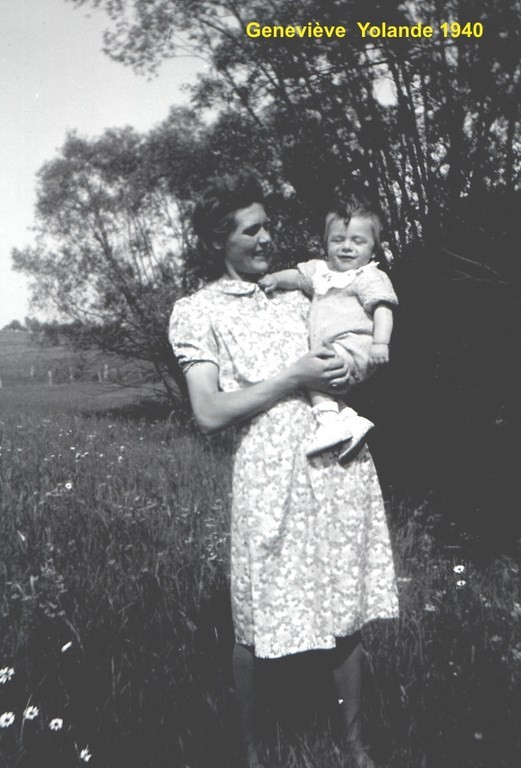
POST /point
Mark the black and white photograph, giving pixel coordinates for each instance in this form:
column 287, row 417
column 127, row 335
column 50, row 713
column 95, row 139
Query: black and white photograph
column 234, row 533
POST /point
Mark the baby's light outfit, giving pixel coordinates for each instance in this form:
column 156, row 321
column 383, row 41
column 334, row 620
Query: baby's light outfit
column 342, row 309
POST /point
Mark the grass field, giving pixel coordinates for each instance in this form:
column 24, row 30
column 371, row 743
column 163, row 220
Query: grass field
column 116, row 636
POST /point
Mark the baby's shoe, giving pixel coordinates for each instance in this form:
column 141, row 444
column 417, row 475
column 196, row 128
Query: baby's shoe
column 359, row 427
column 329, row 435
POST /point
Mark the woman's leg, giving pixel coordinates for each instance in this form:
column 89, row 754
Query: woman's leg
column 243, row 663
column 347, row 673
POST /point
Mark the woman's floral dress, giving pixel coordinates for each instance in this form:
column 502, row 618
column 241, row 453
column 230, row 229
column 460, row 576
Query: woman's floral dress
column 311, row 556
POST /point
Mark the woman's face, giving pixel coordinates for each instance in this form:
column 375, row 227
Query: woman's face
column 248, row 247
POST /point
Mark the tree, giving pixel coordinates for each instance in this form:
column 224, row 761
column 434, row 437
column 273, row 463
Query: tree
column 446, row 131
column 110, row 237
column 14, row 325
column 113, row 231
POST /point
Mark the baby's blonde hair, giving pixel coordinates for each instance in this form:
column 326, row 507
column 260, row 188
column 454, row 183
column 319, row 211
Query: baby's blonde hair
column 353, row 206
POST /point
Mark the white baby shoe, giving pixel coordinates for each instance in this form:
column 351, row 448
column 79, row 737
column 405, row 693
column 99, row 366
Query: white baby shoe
column 329, row 435
column 359, row 427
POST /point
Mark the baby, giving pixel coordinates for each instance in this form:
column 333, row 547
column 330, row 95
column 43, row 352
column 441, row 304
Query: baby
column 352, row 301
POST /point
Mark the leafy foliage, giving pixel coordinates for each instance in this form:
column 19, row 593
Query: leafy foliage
column 426, row 124
column 108, row 234
column 428, row 127
column 114, row 245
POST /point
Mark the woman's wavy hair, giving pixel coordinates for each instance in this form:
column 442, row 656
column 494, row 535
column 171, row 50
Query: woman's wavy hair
column 214, row 217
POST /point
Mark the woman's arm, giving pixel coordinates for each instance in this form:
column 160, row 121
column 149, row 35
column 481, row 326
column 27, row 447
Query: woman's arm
column 382, row 330
column 214, row 409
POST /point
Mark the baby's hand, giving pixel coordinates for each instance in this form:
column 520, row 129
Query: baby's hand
column 268, row 283
column 379, row 354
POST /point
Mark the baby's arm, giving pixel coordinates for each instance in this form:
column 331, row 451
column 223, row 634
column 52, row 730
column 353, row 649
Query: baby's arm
column 285, row 280
column 382, row 330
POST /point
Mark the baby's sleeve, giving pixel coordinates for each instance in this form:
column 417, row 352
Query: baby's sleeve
column 376, row 288
column 191, row 334
column 307, row 271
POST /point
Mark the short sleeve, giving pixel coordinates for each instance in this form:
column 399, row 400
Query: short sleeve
column 307, row 271
column 375, row 288
column 191, row 334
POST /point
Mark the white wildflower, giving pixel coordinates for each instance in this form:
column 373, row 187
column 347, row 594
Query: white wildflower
column 460, row 583
column 56, row 724
column 85, row 755
column 68, row 486
column 459, row 569
column 430, row 608
column 31, row 713
column 6, row 719
column 6, row 673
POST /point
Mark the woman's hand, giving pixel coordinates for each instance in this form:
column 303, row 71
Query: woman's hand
column 214, row 409
column 322, row 369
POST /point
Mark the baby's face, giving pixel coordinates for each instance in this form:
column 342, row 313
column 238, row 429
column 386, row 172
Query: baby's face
column 351, row 246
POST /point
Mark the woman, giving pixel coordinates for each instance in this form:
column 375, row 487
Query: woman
column 311, row 559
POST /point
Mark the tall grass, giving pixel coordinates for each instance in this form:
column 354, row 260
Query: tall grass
column 114, row 614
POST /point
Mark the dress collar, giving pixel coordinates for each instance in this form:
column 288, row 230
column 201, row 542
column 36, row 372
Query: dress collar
column 234, row 287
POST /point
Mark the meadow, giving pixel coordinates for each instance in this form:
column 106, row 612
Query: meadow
column 116, row 636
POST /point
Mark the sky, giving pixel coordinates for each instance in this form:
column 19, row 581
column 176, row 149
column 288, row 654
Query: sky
column 55, row 78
